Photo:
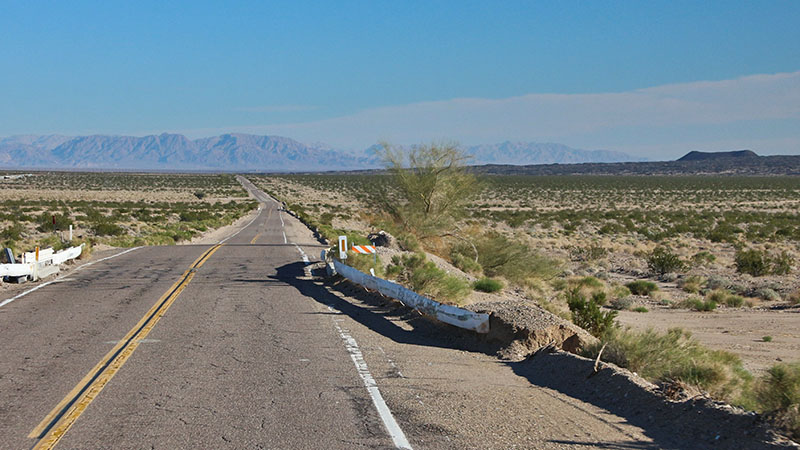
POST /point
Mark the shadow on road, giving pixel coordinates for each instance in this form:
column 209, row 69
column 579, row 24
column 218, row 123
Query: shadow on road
column 671, row 425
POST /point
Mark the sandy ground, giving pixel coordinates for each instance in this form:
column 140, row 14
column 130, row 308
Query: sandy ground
column 736, row 330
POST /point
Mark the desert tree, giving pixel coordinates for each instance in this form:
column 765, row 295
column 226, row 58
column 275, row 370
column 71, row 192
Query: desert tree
column 431, row 185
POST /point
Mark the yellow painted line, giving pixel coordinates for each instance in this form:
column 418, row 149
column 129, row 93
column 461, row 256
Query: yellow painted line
column 61, row 418
column 265, row 221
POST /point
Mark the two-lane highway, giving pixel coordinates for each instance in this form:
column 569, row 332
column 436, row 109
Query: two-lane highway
column 183, row 346
column 233, row 346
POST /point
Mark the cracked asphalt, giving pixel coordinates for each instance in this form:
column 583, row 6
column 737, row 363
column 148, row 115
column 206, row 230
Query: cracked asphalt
column 249, row 356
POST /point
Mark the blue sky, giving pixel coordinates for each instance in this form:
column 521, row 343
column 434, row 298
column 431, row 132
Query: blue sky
column 351, row 73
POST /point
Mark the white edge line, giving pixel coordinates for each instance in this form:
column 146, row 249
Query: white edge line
column 395, row 432
column 260, row 210
column 285, row 241
column 61, row 278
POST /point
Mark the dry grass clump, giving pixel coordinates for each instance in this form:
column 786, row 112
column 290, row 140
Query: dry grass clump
column 675, row 356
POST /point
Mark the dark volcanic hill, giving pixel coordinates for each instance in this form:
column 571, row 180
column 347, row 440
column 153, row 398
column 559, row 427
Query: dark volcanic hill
column 704, row 156
column 753, row 165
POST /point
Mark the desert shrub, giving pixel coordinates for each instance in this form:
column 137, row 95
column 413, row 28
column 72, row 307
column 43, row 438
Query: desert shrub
column 777, row 395
column 107, row 229
column 587, row 313
column 782, row 264
column 200, row 195
column 662, row 260
column 767, row 294
column 674, row 356
column 767, row 338
column 619, row 291
column 794, row 298
column 365, row 262
column 640, row 309
column 45, row 221
column 753, row 262
column 623, row 303
column 589, row 253
column 514, row 261
column 692, row 284
column 487, row 285
column 703, row 258
column 717, row 282
column 13, row 232
column 465, row 263
column 425, row 278
column 326, row 218
column 698, row 304
column 734, row 301
column 642, row 287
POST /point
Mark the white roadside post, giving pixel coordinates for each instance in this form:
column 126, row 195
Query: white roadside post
column 70, row 233
column 342, row 247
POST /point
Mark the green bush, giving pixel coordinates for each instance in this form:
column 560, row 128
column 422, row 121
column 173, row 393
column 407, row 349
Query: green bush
column 777, row 395
column 640, row 309
column 514, row 261
column 107, row 229
column 703, row 258
column 487, row 285
column 45, row 221
column 753, row 262
column 782, row 264
column 642, row 287
column 767, row 338
column 587, row 314
column 693, row 284
column 13, row 232
column 662, row 260
column 699, row 304
column 425, row 278
column 675, row 356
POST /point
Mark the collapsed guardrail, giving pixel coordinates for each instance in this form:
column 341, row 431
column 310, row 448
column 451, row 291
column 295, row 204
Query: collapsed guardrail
column 39, row 263
column 453, row 315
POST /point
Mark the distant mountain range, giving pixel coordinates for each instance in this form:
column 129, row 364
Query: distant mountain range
column 245, row 152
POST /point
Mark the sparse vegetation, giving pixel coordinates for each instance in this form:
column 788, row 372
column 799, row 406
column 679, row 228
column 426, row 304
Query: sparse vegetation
column 425, row 278
column 663, row 260
column 777, row 395
column 586, row 313
column 487, row 285
column 675, row 356
column 642, row 287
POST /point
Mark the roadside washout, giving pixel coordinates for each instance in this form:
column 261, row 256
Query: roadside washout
column 537, row 345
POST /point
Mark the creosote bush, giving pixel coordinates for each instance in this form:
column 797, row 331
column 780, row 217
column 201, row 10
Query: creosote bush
column 642, row 287
column 662, row 260
column 758, row 263
column 587, row 313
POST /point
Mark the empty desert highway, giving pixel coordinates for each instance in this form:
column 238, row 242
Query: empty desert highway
column 234, row 346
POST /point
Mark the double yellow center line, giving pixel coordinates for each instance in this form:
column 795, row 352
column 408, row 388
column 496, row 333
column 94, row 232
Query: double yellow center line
column 61, row 418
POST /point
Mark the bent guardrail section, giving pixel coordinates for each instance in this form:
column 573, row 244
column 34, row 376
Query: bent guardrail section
column 46, row 264
column 462, row 318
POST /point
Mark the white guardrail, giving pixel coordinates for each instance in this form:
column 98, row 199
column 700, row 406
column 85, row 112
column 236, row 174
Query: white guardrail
column 46, row 264
column 462, row 318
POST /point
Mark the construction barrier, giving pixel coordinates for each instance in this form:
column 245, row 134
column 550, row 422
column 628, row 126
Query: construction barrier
column 452, row 315
column 363, row 249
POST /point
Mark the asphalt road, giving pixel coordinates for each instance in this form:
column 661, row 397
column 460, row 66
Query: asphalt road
column 234, row 346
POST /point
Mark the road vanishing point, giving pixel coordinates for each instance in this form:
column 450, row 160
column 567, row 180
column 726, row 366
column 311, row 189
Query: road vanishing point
column 234, row 345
